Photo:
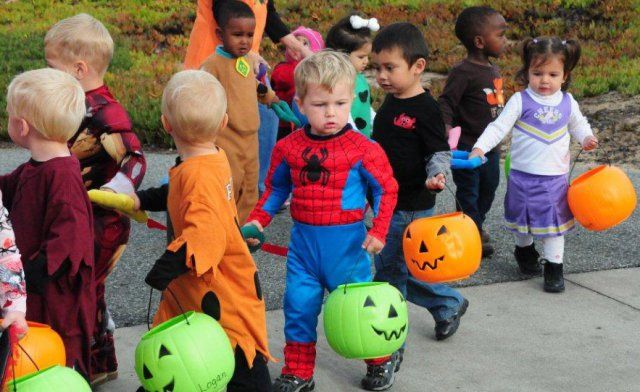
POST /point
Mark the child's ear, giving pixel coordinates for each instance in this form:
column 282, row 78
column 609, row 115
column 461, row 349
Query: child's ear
column 23, row 128
column 219, row 33
column 420, row 65
column 224, row 122
column 80, row 69
column 299, row 103
column 165, row 124
column 478, row 42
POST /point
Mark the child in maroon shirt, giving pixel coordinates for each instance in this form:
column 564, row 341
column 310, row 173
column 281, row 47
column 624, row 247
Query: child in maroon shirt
column 110, row 156
column 50, row 210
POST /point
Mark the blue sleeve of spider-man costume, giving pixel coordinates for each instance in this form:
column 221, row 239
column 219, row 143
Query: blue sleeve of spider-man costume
column 278, row 187
column 383, row 186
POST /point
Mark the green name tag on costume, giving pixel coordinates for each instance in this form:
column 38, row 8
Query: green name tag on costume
column 242, row 66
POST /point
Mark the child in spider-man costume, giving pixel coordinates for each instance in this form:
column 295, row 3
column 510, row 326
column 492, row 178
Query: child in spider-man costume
column 328, row 168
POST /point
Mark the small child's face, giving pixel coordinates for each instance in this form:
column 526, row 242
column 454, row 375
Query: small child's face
column 237, row 36
column 546, row 78
column 327, row 111
column 393, row 73
column 494, row 36
column 360, row 57
column 303, row 40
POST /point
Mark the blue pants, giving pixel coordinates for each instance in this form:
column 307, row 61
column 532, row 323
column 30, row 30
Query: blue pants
column 440, row 300
column 476, row 188
column 320, row 258
column 266, row 140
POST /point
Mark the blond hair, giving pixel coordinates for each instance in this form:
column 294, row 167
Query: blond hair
column 51, row 101
column 326, row 68
column 194, row 103
column 81, row 38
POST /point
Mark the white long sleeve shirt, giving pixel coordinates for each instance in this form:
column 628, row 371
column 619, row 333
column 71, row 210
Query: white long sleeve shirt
column 528, row 154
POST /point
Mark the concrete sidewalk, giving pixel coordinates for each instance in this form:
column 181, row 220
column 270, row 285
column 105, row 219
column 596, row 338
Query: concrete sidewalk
column 514, row 337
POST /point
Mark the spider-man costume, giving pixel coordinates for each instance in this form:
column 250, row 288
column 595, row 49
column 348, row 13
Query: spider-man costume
column 110, row 156
column 328, row 177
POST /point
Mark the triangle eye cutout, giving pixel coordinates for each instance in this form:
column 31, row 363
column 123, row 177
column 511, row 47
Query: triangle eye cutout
column 146, row 373
column 163, row 351
column 423, row 247
column 392, row 312
column 408, row 235
column 443, row 230
column 369, row 302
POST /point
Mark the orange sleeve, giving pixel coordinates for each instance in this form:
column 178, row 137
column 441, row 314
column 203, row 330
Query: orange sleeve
column 204, row 236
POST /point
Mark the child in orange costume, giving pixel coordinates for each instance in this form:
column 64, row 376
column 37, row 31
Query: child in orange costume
column 207, row 266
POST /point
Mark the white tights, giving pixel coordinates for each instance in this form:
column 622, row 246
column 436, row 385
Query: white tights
column 552, row 247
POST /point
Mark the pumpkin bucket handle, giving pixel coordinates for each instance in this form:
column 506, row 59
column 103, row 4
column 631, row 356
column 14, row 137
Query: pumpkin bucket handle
column 174, row 298
column 606, row 156
column 13, row 363
column 458, row 205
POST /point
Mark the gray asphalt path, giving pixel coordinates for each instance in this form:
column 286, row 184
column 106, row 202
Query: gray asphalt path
column 128, row 296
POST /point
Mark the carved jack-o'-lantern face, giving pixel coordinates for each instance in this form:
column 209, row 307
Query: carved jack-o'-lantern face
column 428, row 256
column 185, row 356
column 366, row 320
column 442, row 248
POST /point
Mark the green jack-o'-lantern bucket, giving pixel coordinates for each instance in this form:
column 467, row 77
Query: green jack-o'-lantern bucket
column 366, row 320
column 53, row 379
column 190, row 352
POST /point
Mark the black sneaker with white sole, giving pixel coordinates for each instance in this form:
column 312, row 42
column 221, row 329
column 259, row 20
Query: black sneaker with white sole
column 291, row 383
column 381, row 377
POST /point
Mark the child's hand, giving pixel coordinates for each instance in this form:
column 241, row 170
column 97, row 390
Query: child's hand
column 436, row 183
column 372, row 245
column 476, row 152
column 136, row 201
column 589, row 143
column 17, row 319
column 248, row 232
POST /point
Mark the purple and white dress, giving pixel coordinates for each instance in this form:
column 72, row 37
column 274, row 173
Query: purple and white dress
column 542, row 126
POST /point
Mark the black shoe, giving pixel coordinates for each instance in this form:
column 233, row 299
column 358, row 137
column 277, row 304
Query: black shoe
column 291, row 383
column 553, row 278
column 487, row 251
column 400, row 353
column 527, row 258
column 448, row 327
column 381, row 377
column 486, row 238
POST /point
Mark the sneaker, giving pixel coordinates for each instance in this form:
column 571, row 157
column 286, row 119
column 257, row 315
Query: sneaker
column 487, row 251
column 291, row 383
column 553, row 277
column 448, row 327
column 381, row 377
column 104, row 377
column 527, row 258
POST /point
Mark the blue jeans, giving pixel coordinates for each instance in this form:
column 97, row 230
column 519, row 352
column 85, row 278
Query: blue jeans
column 440, row 300
column 476, row 188
column 267, row 135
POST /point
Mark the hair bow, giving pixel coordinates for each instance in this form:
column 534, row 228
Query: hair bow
column 357, row 23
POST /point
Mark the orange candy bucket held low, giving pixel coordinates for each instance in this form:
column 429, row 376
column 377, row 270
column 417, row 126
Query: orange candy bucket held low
column 43, row 345
column 602, row 198
column 442, row 248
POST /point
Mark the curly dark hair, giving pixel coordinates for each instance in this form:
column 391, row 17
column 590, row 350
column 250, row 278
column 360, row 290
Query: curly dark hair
column 471, row 23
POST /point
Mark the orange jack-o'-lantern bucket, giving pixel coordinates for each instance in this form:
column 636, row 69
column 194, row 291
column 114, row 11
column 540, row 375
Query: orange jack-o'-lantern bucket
column 442, row 248
column 602, row 198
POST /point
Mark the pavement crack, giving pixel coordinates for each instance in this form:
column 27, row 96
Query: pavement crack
column 603, row 294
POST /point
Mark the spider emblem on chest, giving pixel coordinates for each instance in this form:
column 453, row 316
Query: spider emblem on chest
column 313, row 171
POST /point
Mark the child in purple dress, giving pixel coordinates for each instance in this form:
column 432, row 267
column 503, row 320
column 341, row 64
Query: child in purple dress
column 543, row 118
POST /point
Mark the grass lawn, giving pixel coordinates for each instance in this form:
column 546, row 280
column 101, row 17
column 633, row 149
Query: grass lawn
column 151, row 38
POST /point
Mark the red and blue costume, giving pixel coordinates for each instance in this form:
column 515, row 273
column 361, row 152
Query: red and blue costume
column 328, row 178
column 110, row 156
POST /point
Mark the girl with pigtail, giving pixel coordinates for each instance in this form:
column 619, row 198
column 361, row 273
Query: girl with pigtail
column 352, row 35
column 542, row 118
